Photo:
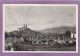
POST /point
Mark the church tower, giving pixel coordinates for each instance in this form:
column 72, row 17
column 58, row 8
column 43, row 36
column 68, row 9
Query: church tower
column 25, row 27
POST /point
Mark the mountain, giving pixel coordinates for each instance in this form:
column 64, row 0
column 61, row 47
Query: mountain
column 59, row 30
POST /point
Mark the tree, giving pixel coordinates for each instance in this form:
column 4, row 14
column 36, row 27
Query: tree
column 6, row 34
column 11, row 34
column 67, row 33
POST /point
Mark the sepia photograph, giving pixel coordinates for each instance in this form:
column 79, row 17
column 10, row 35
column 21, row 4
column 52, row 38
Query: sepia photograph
column 40, row 27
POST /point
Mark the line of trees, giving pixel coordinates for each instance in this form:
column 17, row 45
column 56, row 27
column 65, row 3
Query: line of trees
column 35, row 34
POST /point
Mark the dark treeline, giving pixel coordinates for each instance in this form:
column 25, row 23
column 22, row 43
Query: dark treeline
column 35, row 34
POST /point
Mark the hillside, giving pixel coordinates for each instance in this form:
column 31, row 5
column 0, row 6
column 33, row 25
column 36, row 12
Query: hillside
column 59, row 30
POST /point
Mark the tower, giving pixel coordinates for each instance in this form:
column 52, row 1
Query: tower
column 25, row 27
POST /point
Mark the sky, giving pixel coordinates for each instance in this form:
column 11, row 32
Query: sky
column 39, row 17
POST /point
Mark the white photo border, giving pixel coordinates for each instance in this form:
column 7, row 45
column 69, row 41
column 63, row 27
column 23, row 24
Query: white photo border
column 4, row 5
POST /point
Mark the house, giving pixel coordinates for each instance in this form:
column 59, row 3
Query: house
column 73, row 35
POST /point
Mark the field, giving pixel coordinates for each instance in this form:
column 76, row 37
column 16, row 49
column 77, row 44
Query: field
column 24, row 47
column 39, row 47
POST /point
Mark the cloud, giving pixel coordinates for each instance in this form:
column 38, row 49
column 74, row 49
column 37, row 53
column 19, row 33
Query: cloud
column 39, row 17
column 52, row 21
column 17, row 25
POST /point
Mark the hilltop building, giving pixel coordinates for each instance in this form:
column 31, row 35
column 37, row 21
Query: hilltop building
column 23, row 28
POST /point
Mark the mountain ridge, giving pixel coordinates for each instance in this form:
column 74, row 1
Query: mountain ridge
column 59, row 30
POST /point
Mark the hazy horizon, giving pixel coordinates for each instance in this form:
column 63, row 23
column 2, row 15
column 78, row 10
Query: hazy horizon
column 39, row 17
